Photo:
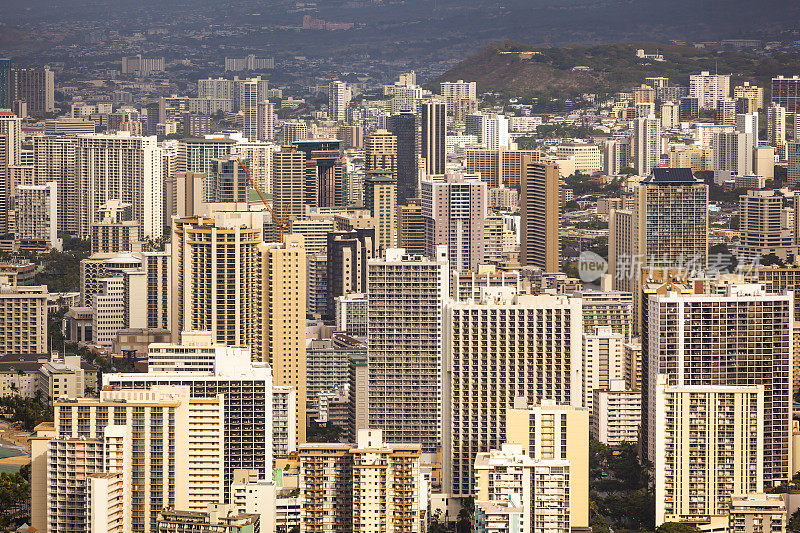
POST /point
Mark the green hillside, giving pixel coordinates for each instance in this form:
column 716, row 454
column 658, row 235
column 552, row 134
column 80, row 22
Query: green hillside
column 550, row 71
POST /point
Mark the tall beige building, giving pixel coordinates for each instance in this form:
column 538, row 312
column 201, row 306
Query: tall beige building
column 54, row 159
column 380, row 197
column 380, row 152
column 283, row 270
column 549, row 431
column 217, row 278
column 709, row 446
column 158, row 448
column 288, row 182
column 492, row 347
column 23, row 319
column 366, row 487
column 603, row 362
column 540, row 240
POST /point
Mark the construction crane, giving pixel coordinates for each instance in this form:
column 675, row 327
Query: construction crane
column 283, row 221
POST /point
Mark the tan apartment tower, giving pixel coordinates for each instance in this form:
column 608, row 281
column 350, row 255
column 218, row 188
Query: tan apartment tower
column 540, row 242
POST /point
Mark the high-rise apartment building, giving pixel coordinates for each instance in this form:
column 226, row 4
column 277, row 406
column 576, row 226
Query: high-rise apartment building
column 741, row 338
column 228, row 182
column 667, row 229
column 288, row 182
column 404, row 127
column 217, row 278
column 10, row 155
column 36, row 214
column 283, row 317
column 540, row 239
column 709, row 446
column 36, row 87
column 761, row 228
column 209, row 369
column 786, row 93
column 5, row 83
column 616, row 156
column 182, row 466
column 366, row 486
column 434, row 123
column 709, row 88
column 646, row 144
column 197, row 155
column 612, row 309
column 776, row 127
column 509, row 482
column 339, row 96
column 406, row 295
column 23, row 319
column 380, row 197
column 380, row 152
column 603, row 362
column 54, row 159
column 746, row 90
column 476, row 401
column 733, row 156
column 324, row 172
column 120, row 167
column 616, row 414
column 411, row 227
column 499, row 168
column 490, row 129
column 549, row 431
column 454, row 211
column 348, row 253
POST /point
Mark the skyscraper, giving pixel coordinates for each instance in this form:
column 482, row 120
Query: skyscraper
column 380, row 152
column 406, row 295
column 339, row 95
column 786, row 93
column 324, row 172
column 646, row 144
column 454, row 211
column 380, row 197
column 433, row 120
column 708, row 438
column 404, row 127
column 709, row 88
column 120, row 167
column 210, row 294
column 265, row 121
column 288, row 182
column 209, row 369
column 250, row 109
column 776, row 127
column 10, row 153
column 540, row 240
column 476, row 402
column 411, row 227
column 283, row 316
column 5, row 83
column 36, row 87
column 348, row 254
column 742, row 338
column 54, row 159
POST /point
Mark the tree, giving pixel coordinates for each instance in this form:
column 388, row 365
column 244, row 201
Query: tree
column 676, row 527
column 794, row 521
column 465, row 515
column 436, row 525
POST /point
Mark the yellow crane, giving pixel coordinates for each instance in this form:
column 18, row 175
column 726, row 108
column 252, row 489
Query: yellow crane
column 283, row 221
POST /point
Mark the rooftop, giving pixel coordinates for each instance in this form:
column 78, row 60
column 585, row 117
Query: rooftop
column 668, row 176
